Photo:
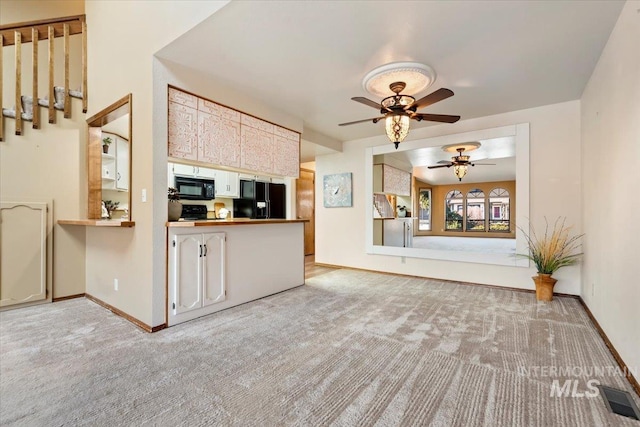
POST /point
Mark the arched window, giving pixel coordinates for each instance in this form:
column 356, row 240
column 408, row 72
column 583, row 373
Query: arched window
column 453, row 205
column 499, row 205
column 475, row 210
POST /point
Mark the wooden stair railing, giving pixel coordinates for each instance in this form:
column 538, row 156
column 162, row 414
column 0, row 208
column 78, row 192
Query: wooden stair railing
column 27, row 108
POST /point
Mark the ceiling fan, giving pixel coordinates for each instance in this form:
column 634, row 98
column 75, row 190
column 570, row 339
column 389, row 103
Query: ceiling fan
column 398, row 109
column 460, row 163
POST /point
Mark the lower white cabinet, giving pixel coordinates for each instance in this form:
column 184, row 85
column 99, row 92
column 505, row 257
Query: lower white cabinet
column 196, row 274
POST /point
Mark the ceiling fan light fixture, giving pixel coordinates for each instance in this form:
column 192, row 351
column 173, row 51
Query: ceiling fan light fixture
column 460, row 170
column 397, row 128
column 417, row 77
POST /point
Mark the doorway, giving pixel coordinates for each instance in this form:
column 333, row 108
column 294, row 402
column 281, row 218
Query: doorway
column 305, row 207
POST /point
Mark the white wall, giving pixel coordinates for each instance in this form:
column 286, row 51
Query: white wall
column 121, row 62
column 554, row 191
column 611, row 174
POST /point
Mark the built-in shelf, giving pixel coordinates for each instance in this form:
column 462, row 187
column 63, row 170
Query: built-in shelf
column 108, row 156
column 106, row 178
column 97, row 222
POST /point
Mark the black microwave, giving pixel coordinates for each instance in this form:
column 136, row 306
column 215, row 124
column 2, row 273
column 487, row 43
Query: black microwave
column 195, row 188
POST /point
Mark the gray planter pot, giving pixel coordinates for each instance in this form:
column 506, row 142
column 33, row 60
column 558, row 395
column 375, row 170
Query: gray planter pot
column 175, row 210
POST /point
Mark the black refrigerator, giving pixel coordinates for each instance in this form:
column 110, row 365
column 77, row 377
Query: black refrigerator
column 260, row 200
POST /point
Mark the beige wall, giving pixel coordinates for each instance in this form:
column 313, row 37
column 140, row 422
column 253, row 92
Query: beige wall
column 554, row 191
column 47, row 164
column 121, row 52
column 611, row 173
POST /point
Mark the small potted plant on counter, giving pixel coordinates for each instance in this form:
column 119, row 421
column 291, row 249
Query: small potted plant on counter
column 105, row 144
column 110, row 206
column 549, row 253
column 175, row 207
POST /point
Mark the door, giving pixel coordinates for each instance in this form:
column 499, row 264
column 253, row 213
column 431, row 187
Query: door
column 305, row 207
column 23, row 253
column 187, row 272
column 213, row 273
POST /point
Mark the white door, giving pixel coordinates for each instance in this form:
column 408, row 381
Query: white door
column 187, row 279
column 213, row 264
column 23, row 253
column 122, row 164
column 184, row 170
column 227, row 184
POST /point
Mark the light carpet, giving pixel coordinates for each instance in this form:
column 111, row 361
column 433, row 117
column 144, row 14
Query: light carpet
column 351, row 348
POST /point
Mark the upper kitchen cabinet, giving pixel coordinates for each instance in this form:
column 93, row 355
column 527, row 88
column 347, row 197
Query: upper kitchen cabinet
column 218, row 134
column 204, row 131
column 387, row 179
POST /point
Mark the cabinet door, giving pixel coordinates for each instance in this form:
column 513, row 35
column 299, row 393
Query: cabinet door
column 286, row 157
column 256, row 149
column 184, row 170
column 396, row 181
column 122, row 164
column 206, row 173
column 208, row 129
column 227, row 184
column 183, row 131
column 213, row 263
column 187, row 272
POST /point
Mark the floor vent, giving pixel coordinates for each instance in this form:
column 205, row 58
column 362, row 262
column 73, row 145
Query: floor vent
column 619, row 402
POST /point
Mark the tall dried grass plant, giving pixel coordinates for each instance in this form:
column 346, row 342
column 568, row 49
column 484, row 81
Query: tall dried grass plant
column 553, row 250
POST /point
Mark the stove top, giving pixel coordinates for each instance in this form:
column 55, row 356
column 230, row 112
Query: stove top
column 194, row 212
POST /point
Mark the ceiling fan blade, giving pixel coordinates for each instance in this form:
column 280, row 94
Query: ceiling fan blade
column 440, row 166
column 483, row 164
column 444, row 118
column 444, row 162
column 432, row 98
column 366, row 101
column 374, row 120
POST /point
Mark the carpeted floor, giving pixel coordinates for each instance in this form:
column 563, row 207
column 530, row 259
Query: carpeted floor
column 351, row 348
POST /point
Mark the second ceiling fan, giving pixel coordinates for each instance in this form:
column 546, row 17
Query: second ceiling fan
column 398, row 109
column 460, row 163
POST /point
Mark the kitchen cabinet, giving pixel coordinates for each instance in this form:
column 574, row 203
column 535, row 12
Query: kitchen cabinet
column 227, row 184
column 122, row 164
column 193, row 171
column 387, row 179
column 196, row 272
column 204, row 131
column 115, row 167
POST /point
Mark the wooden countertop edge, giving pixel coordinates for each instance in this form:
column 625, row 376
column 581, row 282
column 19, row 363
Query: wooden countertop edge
column 98, row 222
column 214, row 223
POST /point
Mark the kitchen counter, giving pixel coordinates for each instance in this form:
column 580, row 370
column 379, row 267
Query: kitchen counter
column 214, row 265
column 229, row 221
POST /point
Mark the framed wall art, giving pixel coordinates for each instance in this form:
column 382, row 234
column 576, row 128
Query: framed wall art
column 336, row 190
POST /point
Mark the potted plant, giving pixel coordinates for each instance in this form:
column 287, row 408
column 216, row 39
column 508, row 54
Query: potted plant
column 110, row 206
column 175, row 207
column 105, row 144
column 555, row 249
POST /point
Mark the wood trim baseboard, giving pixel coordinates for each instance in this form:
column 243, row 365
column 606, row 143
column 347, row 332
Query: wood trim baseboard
column 126, row 316
column 58, row 299
column 623, row 366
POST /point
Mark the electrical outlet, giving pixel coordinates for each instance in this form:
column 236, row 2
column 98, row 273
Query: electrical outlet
column 144, row 195
column 593, row 289
column 403, row 260
column 115, row 284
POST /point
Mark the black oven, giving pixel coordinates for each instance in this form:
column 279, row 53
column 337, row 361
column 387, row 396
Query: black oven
column 195, row 188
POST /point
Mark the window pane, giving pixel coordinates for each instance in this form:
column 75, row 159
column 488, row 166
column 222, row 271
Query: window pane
column 499, row 202
column 453, row 211
column 475, row 210
column 424, row 209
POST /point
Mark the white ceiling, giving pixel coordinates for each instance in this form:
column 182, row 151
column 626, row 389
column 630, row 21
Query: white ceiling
column 500, row 152
column 307, row 58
